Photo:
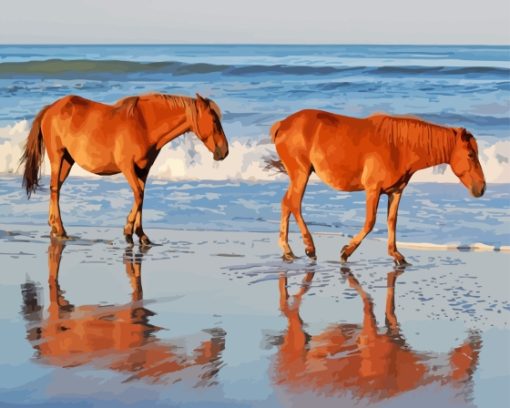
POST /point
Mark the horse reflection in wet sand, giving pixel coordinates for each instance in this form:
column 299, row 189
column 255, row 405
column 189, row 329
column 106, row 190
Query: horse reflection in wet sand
column 119, row 337
column 359, row 359
column 109, row 139
column 378, row 154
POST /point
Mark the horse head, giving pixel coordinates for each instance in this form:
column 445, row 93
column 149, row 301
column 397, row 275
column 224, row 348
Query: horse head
column 465, row 164
column 208, row 127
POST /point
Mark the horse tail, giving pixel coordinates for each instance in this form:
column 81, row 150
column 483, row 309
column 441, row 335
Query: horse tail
column 33, row 155
column 274, row 163
column 274, row 130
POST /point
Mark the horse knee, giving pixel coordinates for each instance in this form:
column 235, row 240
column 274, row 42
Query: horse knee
column 54, row 189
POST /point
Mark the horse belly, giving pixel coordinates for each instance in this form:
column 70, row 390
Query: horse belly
column 339, row 179
column 94, row 159
column 337, row 169
column 101, row 168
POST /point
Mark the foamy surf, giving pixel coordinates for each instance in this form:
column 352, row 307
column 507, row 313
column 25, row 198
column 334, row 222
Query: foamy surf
column 476, row 247
column 430, row 246
column 187, row 159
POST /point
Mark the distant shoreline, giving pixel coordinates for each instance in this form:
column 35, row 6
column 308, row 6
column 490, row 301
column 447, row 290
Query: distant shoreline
column 257, row 44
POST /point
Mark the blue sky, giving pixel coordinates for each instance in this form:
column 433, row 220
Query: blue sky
column 260, row 21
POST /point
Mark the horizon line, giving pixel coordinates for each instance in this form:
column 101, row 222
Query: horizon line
column 258, row 44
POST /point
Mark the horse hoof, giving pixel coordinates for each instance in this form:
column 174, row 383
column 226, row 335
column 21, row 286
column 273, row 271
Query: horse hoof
column 145, row 241
column 344, row 270
column 343, row 254
column 288, row 257
column 59, row 237
column 401, row 263
column 129, row 239
column 310, row 253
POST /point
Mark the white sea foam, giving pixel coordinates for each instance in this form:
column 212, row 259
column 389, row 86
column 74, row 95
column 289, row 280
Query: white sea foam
column 477, row 246
column 427, row 246
column 187, row 159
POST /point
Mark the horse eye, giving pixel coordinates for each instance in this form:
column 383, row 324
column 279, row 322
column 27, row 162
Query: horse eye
column 471, row 155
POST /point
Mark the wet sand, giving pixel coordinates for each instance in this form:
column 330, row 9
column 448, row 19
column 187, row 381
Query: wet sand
column 217, row 319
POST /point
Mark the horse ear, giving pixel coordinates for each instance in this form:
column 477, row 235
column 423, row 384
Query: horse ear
column 201, row 102
column 464, row 135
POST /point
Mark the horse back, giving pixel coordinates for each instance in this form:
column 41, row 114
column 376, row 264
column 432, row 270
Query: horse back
column 80, row 107
column 309, row 123
column 347, row 153
column 74, row 114
column 317, row 130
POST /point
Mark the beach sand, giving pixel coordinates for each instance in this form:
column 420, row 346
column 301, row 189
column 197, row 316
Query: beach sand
column 217, row 319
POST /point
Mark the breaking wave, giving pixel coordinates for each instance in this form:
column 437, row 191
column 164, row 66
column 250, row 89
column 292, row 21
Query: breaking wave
column 187, row 159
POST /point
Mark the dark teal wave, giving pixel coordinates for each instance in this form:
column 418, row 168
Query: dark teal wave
column 57, row 67
column 90, row 68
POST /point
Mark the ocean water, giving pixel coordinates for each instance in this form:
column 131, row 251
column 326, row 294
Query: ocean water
column 466, row 86
column 204, row 318
column 438, row 213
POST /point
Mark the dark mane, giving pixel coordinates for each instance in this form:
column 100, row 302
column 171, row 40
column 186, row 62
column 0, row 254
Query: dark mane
column 410, row 132
column 188, row 102
column 129, row 104
column 176, row 101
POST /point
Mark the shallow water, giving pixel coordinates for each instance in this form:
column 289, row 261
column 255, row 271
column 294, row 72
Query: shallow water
column 218, row 319
column 429, row 212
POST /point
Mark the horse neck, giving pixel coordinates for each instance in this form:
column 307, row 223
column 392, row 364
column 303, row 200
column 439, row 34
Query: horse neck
column 165, row 121
column 429, row 144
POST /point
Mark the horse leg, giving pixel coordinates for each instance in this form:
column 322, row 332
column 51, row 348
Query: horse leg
column 298, row 182
column 53, row 210
column 138, row 191
column 284, row 229
column 291, row 202
column 372, row 202
column 393, row 202
column 144, row 239
column 60, row 168
column 128, row 228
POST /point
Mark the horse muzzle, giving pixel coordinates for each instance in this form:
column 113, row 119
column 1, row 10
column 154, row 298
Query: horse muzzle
column 220, row 154
column 479, row 190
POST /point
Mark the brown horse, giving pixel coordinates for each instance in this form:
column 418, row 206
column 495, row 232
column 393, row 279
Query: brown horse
column 109, row 139
column 378, row 154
